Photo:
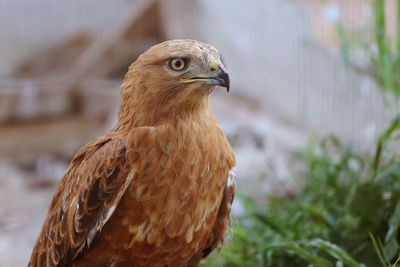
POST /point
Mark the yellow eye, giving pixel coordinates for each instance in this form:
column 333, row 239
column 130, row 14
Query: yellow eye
column 178, row 64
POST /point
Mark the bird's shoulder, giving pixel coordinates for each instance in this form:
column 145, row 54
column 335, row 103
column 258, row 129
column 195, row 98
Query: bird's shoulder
column 85, row 198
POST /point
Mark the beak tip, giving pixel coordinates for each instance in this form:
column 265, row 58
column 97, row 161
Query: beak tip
column 221, row 78
column 224, row 76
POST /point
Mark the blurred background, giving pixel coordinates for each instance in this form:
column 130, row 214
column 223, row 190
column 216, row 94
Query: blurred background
column 299, row 68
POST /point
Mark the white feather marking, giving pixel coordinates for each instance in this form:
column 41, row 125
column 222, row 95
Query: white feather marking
column 141, row 228
column 229, row 182
column 107, row 212
column 231, row 177
column 91, row 235
column 111, row 210
column 189, row 234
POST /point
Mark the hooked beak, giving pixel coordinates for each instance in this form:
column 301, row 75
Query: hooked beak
column 220, row 77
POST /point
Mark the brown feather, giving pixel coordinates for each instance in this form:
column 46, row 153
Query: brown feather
column 92, row 185
column 157, row 189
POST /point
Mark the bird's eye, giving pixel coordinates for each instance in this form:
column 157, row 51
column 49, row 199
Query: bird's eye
column 178, row 64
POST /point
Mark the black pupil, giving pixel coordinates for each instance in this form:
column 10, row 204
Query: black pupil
column 178, row 63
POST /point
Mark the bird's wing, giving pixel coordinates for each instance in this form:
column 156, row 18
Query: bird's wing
column 223, row 221
column 85, row 199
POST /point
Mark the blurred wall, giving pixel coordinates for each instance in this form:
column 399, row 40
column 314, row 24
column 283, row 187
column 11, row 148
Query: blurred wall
column 26, row 25
column 275, row 58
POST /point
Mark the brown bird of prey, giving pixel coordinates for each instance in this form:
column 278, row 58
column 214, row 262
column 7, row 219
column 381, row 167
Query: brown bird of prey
column 157, row 189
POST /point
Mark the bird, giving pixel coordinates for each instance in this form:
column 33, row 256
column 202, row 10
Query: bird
column 157, row 189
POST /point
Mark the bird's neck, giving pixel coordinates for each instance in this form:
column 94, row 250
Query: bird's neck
column 134, row 114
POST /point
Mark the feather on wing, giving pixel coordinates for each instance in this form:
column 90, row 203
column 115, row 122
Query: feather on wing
column 85, row 199
column 223, row 221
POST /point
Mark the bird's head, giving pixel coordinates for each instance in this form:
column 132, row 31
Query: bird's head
column 173, row 78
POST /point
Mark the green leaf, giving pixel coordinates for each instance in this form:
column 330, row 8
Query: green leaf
column 379, row 250
column 335, row 251
column 394, row 223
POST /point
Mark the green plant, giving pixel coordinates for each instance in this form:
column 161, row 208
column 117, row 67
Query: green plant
column 348, row 213
column 382, row 52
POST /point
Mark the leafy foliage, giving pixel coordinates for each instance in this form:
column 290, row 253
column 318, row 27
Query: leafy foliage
column 348, row 213
column 381, row 50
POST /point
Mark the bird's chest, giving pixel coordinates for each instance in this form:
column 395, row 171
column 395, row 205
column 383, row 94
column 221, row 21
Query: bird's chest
column 173, row 200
